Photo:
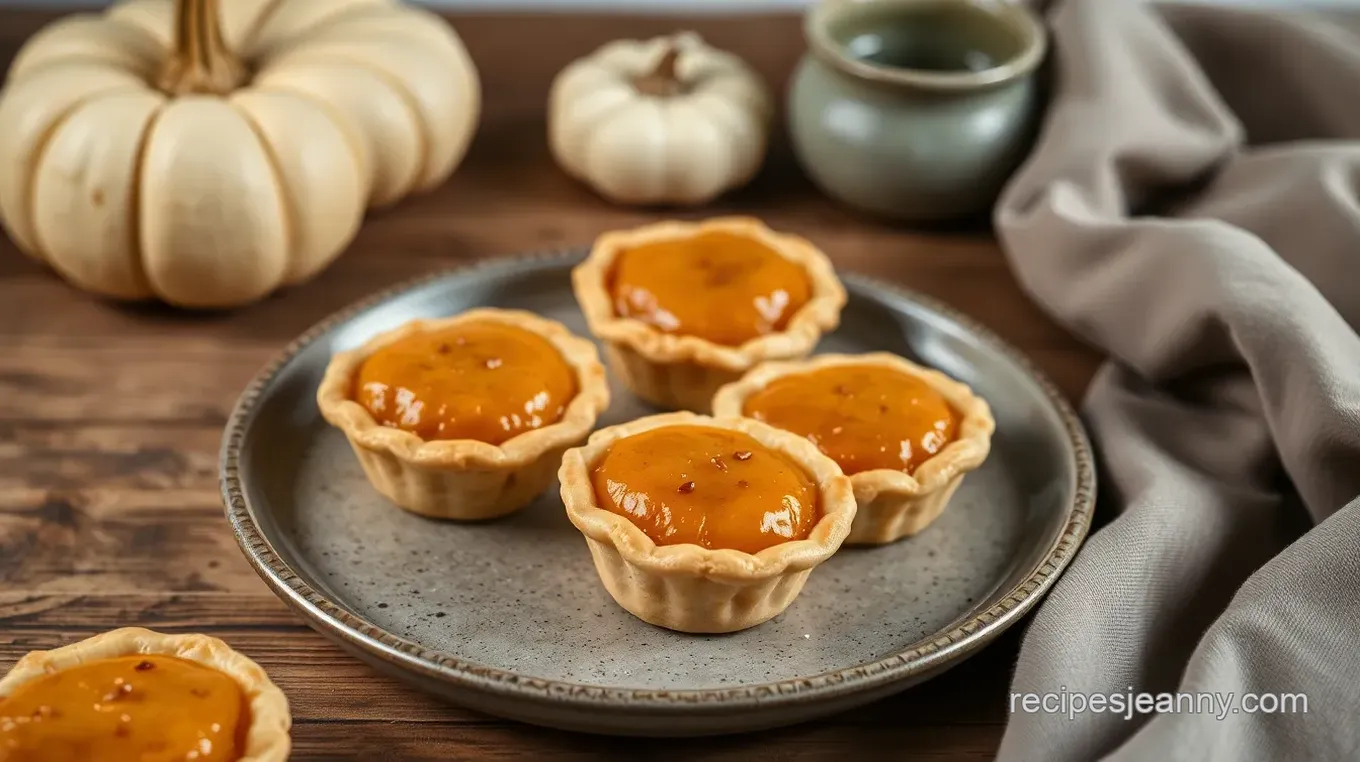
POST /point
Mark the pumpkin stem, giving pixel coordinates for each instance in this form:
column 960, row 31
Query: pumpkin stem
column 661, row 81
column 200, row 61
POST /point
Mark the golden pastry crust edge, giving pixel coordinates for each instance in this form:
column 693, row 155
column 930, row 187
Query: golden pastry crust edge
column 835, row 500
column 268, row 738
column 335, row 399
column 820, row 315
column 892, row 504
column 464, row 479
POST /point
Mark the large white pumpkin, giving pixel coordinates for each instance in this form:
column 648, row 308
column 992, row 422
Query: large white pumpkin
column 207, row 156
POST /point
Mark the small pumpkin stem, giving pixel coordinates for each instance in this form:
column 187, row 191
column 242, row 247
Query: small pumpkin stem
column 661, row 81
column 200, row 61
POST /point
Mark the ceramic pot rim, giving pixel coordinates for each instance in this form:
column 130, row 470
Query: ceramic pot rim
column 1015, row 16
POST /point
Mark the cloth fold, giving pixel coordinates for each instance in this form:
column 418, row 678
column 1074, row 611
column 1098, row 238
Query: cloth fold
column 1192, row 207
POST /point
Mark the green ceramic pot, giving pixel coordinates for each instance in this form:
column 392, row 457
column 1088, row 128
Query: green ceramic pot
column 916, row 110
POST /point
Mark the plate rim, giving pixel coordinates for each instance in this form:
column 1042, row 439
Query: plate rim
column 958, row 639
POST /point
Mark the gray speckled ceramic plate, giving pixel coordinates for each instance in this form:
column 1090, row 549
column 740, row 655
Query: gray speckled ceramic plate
column 509, row 617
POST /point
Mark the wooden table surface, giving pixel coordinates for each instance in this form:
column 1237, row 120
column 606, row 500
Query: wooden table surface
column 110, row 419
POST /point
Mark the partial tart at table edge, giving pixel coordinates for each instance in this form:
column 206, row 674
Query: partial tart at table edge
column 267, row 738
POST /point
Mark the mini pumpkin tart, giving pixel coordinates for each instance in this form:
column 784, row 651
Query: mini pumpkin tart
column 683, row 308
column 904, row 434
column 465, row 417
column 133, row 695
column 701, row 524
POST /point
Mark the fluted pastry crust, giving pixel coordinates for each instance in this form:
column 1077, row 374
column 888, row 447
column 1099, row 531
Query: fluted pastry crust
column 678, row 371
column 688, row 587
column 892, row 504
column 266, row 740
column 463, row 478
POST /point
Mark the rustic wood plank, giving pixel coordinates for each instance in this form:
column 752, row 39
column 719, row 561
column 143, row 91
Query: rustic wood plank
column 136, row 456
column 56, row 614
column 118, row 540
column 425, row 743
column 122, row 381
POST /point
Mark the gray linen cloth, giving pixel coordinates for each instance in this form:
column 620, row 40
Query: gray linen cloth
column 1192, row 208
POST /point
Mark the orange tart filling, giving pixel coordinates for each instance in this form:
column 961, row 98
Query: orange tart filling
column 711, row 487
column 481, row 380
column 863, row 417
column 718, row 286
column 141, row 708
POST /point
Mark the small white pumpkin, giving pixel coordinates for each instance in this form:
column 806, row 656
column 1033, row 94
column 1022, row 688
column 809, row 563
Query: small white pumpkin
column 663, row 121
column 206, row 156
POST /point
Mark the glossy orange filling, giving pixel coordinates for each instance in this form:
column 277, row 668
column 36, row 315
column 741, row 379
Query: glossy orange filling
column 864, row 417
column 722, row 287
column 707, row 486
column 142, row 708
column 481, row 380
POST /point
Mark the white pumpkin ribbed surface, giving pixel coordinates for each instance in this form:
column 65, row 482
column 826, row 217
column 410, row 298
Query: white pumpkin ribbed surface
column 669, row 120
column 214, row 199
